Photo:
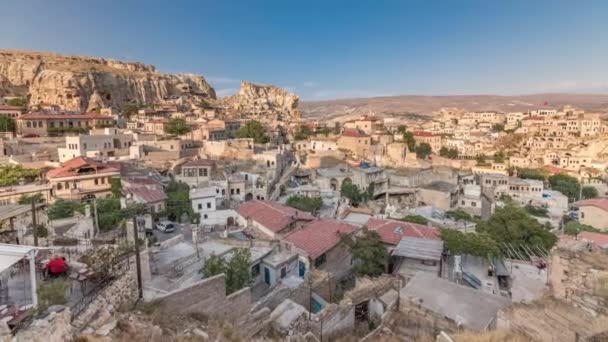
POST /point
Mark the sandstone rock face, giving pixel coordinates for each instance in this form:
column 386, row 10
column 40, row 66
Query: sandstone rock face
column 85, row 83
column 266, row 103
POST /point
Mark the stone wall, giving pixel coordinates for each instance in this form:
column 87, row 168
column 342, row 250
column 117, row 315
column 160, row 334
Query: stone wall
column 53, row 328
column 209, row 298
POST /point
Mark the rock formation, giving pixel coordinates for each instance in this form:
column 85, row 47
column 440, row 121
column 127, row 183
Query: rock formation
column 85, row 83
column 266, row 103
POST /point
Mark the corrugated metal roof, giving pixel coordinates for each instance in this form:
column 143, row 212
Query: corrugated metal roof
column 417, row 248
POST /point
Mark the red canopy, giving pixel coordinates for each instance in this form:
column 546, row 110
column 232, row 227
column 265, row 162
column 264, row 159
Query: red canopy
column 56, row 266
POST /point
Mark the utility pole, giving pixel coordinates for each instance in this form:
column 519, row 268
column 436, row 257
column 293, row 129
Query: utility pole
column 96, row 217
column 137, row 261
column 34, row 224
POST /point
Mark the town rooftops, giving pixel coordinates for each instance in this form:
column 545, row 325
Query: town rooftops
column 392, row 231
column 466, row 306
column 601, row 203
column 319, row 236
column 62, row 116
column 423, row 134
column 199, row 162
column 598, row 239
column 80, row 165
column 147, row 195
column 416, row 248
column 354, row 133
column 271, row 215
column 6, row 107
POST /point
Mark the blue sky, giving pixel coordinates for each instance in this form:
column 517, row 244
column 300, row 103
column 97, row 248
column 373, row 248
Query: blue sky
column 336, row 49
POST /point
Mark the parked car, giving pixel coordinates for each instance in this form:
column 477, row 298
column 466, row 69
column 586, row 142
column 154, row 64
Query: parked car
column 166, row 226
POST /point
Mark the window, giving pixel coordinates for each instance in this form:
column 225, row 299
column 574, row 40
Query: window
column 238, row 191
column 205, row 216
column 96, row 181
column 232, row 191
column 473, row 204
column 200, row 205
column 320, row 260
column 283, row 272
column 217, row 191
column 208, row 205
column 205, row 172
column 59, row 186
column 223, row 191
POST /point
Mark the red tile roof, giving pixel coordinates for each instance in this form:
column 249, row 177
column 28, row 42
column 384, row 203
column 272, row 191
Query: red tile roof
column 354, row 133
column 391, row 231
column 601, row 240
column 319, row 236
column 601, row 203
column 71, row 168
column 5, row 107
column 423, row 134
column 272, row 215
column 61, row 116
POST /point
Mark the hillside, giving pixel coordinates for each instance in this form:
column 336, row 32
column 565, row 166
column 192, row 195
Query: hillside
column 84, row 83
column 402, row 105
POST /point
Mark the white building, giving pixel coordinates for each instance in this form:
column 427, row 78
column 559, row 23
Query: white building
column 209, row 203
column 108, row 143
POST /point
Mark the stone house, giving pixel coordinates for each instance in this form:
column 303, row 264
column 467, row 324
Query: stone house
column 196, row 172
column 156, row 126
column 211, row 203
column 10, row 111
column 318, row 243
column 82, row 179
column 358, row 142
column 43, row 124
column 271, row 219
column 593, row 212
column 434, row 140
column 111, row 143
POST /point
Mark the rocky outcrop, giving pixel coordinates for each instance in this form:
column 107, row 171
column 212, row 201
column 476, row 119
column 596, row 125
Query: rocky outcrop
column 85, row 83
column 266, row 103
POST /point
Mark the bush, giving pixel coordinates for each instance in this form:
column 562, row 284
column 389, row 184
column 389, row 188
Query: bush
column 459, row 243
column 12, row 174
column 536, row 211
column 254, row 130
column 305, row 203
column 567, row 185
column 459, row 215
column 52, row 292
column 423, row 151
column 415, row 219
column 589, row 192
column 176, row 127
column 63, row 209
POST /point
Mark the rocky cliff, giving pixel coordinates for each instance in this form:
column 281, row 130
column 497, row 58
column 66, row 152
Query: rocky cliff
column 85, row 83
column 266, row 103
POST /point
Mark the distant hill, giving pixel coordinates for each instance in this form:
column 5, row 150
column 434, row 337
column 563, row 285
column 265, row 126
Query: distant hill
column 425, row 105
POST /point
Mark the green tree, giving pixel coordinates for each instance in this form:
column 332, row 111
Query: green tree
column 458, row 215
column 325, row 131
column 236, row 269
column 63, row 209
column 457, row 243
column 481, row 160
column 423, row 151
column 414, row 219
column 18, row 102
column 25, row 199
column 12, row 174
column 512, row 224
column 7, row 124
column 176, row 127
column 536, row 211
column 129, row 109
column 527, row 173
column 567, row 185
column 116, row 187
column 178, row 201
column 590, row 192
column 498, row 127
column 573, row 228
column 305, row 203
column 302, row 133
column 401, row 129
column 408, row 137
column 109, row 213
column 353, row 193
column 450, row 153
column 499, row 157
column 253, row 130
column 369, row 252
